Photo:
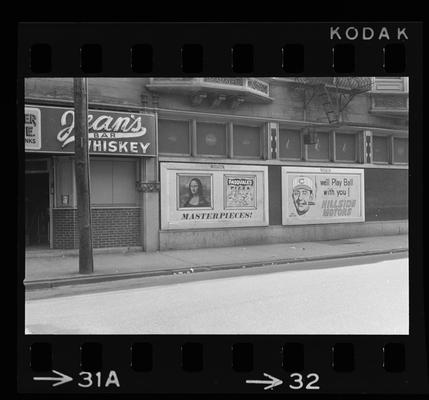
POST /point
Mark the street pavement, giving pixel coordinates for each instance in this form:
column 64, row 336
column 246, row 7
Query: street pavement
column 60, row 267
column 366, row 295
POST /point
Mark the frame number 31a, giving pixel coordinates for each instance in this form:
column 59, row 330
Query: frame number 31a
column 89, row 379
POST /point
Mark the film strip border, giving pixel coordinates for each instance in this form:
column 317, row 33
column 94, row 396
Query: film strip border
column 170, row 364
column 245, row 364
column 213, row 49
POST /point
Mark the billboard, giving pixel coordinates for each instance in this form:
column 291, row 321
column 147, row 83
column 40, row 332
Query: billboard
column 51, row 130
column 213, row 195
column 322, row 195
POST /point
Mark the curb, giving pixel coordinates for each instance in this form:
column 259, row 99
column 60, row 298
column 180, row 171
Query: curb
column 56, row 282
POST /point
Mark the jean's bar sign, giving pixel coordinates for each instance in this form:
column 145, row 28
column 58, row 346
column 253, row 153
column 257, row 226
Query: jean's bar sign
column 51, row 130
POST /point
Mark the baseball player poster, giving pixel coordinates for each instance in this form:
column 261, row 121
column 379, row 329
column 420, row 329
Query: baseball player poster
column 322, row 195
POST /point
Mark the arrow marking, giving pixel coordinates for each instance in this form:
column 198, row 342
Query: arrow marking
column 61, row 378
column 273, row 382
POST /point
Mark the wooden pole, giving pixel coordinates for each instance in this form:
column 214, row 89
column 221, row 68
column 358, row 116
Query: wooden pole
column 80, row 87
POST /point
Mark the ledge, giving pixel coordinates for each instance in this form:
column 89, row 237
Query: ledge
column 215, row 90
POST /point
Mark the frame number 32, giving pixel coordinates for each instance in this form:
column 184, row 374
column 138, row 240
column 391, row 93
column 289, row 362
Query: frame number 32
column 304, row 382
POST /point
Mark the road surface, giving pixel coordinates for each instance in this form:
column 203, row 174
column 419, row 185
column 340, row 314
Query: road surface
column 368, row 295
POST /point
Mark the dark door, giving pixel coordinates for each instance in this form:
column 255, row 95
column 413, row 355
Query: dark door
column 37, row 209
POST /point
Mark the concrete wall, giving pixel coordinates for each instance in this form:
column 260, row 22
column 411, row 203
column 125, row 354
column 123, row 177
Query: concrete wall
column 200, row 238
column 114, row 91
column 287, row 104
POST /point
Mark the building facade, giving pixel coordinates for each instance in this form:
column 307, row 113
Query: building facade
column 179, row 163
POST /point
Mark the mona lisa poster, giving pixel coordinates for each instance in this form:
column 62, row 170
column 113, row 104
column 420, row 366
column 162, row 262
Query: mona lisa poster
column 213, row 195
column 322, row 195
column 195, row 191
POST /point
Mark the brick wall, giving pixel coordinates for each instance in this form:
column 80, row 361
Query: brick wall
column 111, row 227
column 64, row 223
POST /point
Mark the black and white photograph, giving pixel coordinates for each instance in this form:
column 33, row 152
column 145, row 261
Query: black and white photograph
column 214, row 205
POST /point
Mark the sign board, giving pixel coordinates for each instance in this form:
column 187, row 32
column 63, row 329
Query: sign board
column 322, row 195
column 213, row 195
column 51, row 130
column 32, row 123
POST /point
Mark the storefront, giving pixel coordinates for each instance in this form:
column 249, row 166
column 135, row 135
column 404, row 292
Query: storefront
column 119, row 145
column 261, row 183
column 215, row 162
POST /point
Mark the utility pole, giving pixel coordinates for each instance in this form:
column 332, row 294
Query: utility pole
column 80, row 89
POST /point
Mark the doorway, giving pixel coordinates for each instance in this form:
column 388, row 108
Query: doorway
column 37, row 210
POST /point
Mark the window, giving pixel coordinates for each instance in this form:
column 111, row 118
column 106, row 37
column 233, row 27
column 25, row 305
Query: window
column 174, row 137
column 211, row 139
column 290, row 144
column 400, row 150
column 391, row 84
column 64, row 182
column 380, row 146
column 124, row 182
column 345, row 147
column 113, row 182
column 320, row 150
column 246, row 141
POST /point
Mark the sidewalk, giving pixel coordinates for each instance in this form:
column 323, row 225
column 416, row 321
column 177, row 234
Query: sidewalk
column 56, row 268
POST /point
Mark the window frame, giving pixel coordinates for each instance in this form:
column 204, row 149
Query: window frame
column 389, row 143
column 393, row 150
column 301, row 144
column 260, row 129
column 334, row 146
column 194, row 140
column 133, row 160
column 330, row 145
column 55, row 163
column 189, row 123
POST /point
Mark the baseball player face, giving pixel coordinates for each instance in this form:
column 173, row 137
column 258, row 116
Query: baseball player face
column 301, row 198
